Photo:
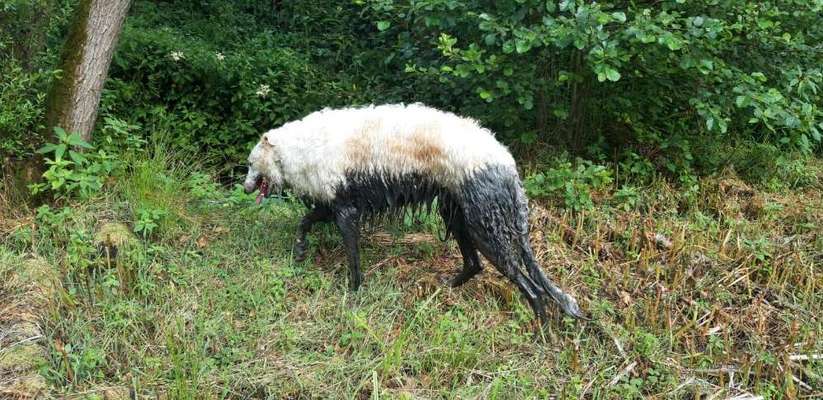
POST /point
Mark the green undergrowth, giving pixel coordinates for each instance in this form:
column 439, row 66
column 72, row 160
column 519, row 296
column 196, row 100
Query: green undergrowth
column 719, row 293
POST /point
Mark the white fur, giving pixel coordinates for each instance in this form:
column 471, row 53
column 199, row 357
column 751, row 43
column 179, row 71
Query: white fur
column 313, row 155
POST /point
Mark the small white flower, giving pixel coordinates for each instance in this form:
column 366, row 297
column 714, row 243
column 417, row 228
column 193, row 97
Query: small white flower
column 176, row 55
column 263, row 90
column 220, row 56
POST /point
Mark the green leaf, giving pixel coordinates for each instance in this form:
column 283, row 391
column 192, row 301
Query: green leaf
column 48, row 148
column 383, row 25
column 75, row 140
column 620, row 16
column 59, row 151
column 759, row 76
column 672, row 42
column 763, row 23
column 508, row 47
column 77, row 157
column 528, row 137
column 522, row 46
column 489, row 39
column 612, row 74
column 60, row 132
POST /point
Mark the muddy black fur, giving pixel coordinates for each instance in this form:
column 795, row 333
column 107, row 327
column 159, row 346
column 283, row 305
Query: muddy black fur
column 488, row 213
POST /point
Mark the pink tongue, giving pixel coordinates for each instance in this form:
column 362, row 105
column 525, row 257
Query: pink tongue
column 264, row 188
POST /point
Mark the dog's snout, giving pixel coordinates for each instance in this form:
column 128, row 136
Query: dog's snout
column 248, row 188
column 250, row 185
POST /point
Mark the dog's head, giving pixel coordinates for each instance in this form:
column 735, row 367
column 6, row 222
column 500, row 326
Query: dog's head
column 264, row 172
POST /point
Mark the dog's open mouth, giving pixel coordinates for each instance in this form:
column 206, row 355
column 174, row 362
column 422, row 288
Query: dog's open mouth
column 263, row 187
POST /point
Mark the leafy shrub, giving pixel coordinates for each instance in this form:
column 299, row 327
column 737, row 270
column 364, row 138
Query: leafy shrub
column 81, row 174
column 209, row 95
column 30, row 31
column 53, row 221
column 627, row 197
column 574, row 185
column 22, row 97
column 660, row 77
column 148, row 219
column 766, row 164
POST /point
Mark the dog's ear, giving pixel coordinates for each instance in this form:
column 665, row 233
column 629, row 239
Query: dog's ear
column 265, row 139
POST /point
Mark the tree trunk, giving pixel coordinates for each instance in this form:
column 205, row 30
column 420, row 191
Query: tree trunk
column 87, row 53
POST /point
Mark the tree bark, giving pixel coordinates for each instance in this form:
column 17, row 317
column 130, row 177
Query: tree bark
column 87, row 53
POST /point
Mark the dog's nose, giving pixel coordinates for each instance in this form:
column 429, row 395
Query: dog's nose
column 249, row 187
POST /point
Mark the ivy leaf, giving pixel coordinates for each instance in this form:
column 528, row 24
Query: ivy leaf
column 383, row 25
column 619, row 16
column 528, row 137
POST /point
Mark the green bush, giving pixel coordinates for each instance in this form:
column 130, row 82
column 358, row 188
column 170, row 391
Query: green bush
column 22, row 97
column 663, row 88
column 30, row 31
column 572, row 184
column 72, row 171
column 665, row 77
column 213, row 85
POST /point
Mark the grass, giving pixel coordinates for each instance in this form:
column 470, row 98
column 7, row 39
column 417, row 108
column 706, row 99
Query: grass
column 708, row 294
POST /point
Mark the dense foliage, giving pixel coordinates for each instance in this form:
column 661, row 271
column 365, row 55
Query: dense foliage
column 679, row 87
column 673, row 75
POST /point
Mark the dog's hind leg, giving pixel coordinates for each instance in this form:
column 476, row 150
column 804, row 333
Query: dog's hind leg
column 347, row 218
column 317, row 214
column 456, row 224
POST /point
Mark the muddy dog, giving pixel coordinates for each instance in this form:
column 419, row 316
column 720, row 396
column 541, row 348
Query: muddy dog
column 349, row 164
